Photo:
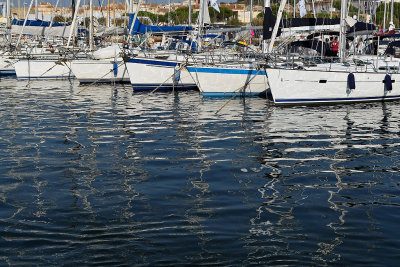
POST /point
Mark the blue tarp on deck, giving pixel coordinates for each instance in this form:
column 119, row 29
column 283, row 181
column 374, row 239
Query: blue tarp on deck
column 40, row 23
column 140, row 28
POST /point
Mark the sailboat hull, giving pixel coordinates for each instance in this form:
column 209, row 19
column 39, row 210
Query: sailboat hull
column 148, row 74
column 228, row 81
column 43, row 69
column 290, row 86
column 100, row 71
column 7, row 66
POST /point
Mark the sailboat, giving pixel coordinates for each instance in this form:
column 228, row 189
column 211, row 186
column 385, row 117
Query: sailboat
column 247, row 78
column 48, row 65
column 341, row 82
column 156, row 73
column 105, row 66
column 243, row 74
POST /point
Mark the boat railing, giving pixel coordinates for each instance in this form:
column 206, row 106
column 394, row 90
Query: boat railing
column 369, row 64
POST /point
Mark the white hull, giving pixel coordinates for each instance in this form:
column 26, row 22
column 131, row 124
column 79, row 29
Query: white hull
column 43, row 69
column 101, row 71
column 7, row 66
column 227, row 81
column 147, row 74
column 290, row 86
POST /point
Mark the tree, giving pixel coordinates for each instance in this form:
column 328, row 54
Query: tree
column 258, row 21
column 323, row 15
column 180, row 15
column 224, row 14
column 380, row 11
column 61, row 19
column 101, row 21
column 234, row 22
column 153, row 17
column 352, row 9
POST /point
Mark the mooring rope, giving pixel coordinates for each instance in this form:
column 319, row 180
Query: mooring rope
column 101, row 77
column 239, row 90
column 180, row 68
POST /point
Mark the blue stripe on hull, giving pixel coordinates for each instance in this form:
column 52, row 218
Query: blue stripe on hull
column 165, row 87
column 119, row 81
column 154, row 62
column 226, row 71
column 336, row 100
column 47, row 77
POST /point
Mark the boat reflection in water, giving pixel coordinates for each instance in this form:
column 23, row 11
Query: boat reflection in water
column 331, row 172
column 109, row 176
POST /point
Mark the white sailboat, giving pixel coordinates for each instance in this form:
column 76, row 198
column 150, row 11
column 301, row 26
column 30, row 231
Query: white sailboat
column 147, row 74
column 230, row 79
column 339, row 85
column 43, row 69
column 152, row 73
column 100, row 71
column 47, row 66
column 334, row 82
column 106, row 66
column 7, row 62
column 225, row 79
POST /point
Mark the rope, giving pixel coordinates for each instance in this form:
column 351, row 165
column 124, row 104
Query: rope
column 58, row 62
column 9, row 64
column 125, row 58
column 66, row 65
column 197, row 77
column 239, row 90
column 101, row 77
column 181, row 67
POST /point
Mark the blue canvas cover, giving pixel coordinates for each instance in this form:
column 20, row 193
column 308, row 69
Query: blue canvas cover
column 40, row 23
column 140, row 28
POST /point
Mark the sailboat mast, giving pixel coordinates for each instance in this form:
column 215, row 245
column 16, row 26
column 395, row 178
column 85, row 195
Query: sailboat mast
column 277, row 22
column 190, row 13
column 342, row 34
column 72, row 7
column 133, row 20
column 169, row 12
column 384, row 16
column 108, row 14
column 8, row 14
column 313, row 8
column 114, row 13
column 200, row 20
column 91, row 39
column 52, row 21
column 294, row 8
column 23, row 25
column 391, row 13
column 251, row 12
column 73, row 24
column 37, row 10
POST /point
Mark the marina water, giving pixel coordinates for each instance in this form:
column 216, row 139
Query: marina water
column 104, row 176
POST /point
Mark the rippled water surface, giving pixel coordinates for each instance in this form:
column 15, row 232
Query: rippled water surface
column 104, row 176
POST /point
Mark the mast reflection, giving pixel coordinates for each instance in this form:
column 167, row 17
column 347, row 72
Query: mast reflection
column 312, row 154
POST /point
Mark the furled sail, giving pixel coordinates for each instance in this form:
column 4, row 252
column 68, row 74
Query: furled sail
column 41, row 28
